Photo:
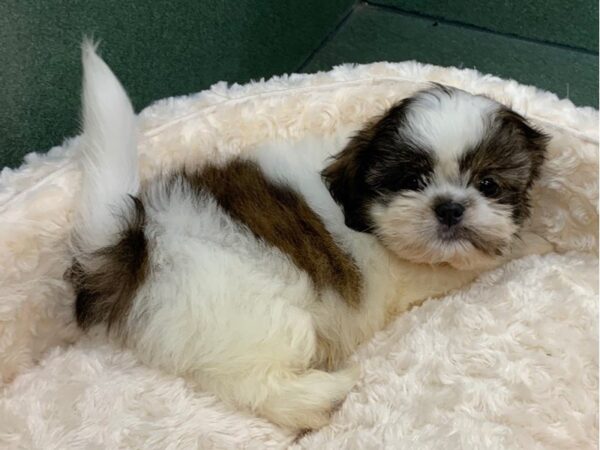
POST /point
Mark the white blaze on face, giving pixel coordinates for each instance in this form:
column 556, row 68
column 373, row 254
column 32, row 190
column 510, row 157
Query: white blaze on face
column 448, row 126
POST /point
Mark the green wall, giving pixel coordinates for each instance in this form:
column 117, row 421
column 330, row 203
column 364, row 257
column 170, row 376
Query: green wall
column 157, row 48
column 572, row 23
column 378, row 32
column 161, row 48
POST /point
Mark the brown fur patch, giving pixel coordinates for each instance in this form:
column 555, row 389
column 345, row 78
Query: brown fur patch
column 344, row 176
column 374, row 165
column 105, row 290
column 512, row 156
column 282, row 218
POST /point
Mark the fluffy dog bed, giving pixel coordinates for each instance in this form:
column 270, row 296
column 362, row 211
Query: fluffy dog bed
column 509, row 362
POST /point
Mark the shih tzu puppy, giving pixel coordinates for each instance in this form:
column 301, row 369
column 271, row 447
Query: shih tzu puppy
column 255, row 278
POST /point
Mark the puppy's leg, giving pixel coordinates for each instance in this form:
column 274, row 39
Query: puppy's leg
column 261, row 360
column 287, row 395
column 275, row 378
column 529, row 243
column 304, row 400
column 420, row 282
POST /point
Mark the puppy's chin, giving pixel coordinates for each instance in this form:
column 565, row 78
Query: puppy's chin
column 407, row 227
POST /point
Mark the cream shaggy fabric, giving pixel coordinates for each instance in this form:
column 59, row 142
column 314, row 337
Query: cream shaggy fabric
column 509, row 362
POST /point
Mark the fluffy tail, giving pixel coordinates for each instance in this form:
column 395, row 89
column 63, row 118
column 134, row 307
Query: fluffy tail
column 108, row 158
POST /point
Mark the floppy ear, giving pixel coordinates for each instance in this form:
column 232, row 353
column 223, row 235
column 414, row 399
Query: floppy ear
column 346, row 175
column 535, row 140
column 345, row 178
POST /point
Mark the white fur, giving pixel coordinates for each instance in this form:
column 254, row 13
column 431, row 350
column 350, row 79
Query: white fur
column 108, row 156
column 467, row 371
column 449, row 125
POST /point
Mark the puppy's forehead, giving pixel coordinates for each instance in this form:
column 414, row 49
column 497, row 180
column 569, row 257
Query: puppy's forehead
column 448, row 122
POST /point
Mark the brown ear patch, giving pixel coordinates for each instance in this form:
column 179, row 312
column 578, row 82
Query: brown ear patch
column 106, row 289
column 344, row 180
column 280, row 217
column 376, row 151
column 513, row 155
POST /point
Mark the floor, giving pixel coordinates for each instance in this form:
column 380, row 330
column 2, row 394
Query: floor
column 161, row 49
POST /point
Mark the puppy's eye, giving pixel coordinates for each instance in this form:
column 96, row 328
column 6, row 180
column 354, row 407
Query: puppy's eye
column 489, row 187
column 407, row 183
column 413, row 183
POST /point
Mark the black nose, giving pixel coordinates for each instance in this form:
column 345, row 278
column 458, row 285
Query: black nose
column 449, row 213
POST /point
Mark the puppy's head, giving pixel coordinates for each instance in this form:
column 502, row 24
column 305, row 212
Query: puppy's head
column 442, row 177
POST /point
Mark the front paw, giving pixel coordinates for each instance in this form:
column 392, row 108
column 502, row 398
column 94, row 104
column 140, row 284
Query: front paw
column 529, row 243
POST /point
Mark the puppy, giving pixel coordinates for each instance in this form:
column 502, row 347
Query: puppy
column 257, row 277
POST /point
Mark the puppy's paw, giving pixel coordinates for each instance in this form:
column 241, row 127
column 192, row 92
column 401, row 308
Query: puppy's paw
column 530, row 243
column 308, row 401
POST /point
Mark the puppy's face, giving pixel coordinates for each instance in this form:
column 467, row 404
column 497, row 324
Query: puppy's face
column 442, row 177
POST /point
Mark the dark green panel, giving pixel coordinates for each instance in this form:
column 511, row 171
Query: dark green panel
column 157, row 48
column 372, row 34
column 568, row 22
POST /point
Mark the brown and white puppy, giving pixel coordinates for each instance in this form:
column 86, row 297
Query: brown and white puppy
column 249, row 278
